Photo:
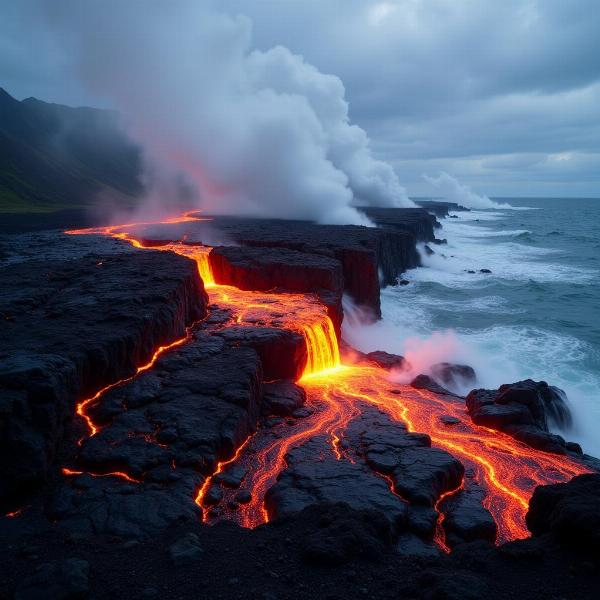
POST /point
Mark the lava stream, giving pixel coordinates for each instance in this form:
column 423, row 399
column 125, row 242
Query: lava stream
column 507, row 469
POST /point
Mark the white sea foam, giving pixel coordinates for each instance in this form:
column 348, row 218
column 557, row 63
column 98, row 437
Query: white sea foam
column 500, row 352
column 470, row 248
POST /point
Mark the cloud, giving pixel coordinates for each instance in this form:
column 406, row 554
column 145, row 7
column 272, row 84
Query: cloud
column 453, row 191
column 437, row 84
column 256, row 132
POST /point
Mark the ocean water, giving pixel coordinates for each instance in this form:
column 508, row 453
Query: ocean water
column 536, row 315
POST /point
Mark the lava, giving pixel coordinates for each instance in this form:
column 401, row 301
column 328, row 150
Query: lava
column 507, row 470
column 83, row 406
column 119, row 474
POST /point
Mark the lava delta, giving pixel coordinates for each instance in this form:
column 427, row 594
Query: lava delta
column 192, row 370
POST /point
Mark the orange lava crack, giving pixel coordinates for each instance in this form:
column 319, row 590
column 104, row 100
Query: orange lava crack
column 507, row 469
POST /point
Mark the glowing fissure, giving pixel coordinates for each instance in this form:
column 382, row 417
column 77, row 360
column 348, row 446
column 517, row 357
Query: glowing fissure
column 507, row 470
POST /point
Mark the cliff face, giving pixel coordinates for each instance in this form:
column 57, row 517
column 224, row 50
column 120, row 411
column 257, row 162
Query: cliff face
column 281, row 269
column 363, row 252
column 72, row 327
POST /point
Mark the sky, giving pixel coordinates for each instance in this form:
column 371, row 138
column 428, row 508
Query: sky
column 504, row 96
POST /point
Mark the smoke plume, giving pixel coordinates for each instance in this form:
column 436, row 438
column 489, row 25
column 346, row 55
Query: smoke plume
column 454, row 191
column 254, row 132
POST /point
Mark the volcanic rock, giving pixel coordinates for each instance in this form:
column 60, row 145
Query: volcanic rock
column 363, row 252
column 307, row 482
column 441, row 209
column 453, row 375
column 282, row 352
column 570, row 511
column 417, row 221
column 263, row 269
column 424, row 382
column 385, row 360
column 209, row 394
column 283, row 398
column 525, row 410
column 76, row 326
column 186, row 550
column 338, row 533
column 57, row 580
column 466, row 519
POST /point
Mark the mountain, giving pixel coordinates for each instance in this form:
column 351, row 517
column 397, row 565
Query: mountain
column 54, row 157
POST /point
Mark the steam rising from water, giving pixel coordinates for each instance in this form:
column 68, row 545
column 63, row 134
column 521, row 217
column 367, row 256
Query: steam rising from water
column 254, row 132
column 454, row 191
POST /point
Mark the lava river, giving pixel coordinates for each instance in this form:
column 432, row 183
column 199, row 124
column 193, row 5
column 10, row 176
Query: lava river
column 505, row 469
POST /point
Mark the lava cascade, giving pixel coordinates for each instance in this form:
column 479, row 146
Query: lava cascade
column 508, row 470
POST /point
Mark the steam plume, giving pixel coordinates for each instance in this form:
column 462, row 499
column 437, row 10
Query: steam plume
column 255, row 132
column 454, row 191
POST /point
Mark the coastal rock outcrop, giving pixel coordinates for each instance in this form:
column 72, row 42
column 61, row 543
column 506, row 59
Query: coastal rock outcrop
column 526, row 410
column 71, row 327
column 570, row 511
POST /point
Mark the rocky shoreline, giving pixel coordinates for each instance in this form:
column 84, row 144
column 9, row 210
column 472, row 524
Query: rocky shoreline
column 94, row 481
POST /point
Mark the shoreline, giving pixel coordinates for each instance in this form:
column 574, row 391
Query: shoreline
column 360, row 254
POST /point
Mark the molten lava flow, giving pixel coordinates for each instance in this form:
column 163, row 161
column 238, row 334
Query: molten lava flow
column 321, row 345
column 83, row 406
column 506, row 469
column 119, row 474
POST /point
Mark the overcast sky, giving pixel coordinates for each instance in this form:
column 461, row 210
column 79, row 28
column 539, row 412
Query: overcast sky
column 505, row 95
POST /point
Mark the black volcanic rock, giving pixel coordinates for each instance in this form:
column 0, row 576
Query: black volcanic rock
column 307, row 482
column 525, row 410
column 571, row 511
column 207, row 396
column 439, row 208
column 466, row 519
column 73, row 327
column 281, row 269
column 263, row 269
column 282, row 352
column 424, row 382
column 365, row 253
column 416, row 221
column 453, row 375
column 282, row 398
column 338, row 533
column 61, row 579
column 387, row 360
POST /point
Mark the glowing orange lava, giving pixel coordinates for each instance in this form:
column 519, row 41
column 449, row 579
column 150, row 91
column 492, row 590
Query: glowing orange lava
column 506, row 469
column 119, row 474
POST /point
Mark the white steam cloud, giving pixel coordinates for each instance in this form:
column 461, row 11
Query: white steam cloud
column 454, row 191
column 255, row 132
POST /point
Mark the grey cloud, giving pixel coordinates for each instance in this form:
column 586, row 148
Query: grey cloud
column 453, row 84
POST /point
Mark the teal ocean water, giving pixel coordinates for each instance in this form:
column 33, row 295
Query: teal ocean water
column 537, row 314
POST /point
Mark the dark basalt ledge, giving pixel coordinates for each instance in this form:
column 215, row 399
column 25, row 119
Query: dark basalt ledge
column 71, row 327
column 366, row 254
column 383, row 454
column 281, row 270
column 439, row 208
column 363, row 251
column 525, row 410
column 167, row 429
column 569, row 511
column 414, row 221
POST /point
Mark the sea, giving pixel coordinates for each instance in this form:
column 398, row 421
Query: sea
column 535, row 315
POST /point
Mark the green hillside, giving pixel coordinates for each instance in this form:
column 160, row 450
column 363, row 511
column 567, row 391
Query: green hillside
column 54, row 157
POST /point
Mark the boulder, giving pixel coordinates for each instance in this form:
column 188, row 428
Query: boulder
column 388, row 361
column 570, row 511
column 424, row 382
column 57, row 580
column 282, row 398
column 526, row 410
column 453, row 375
